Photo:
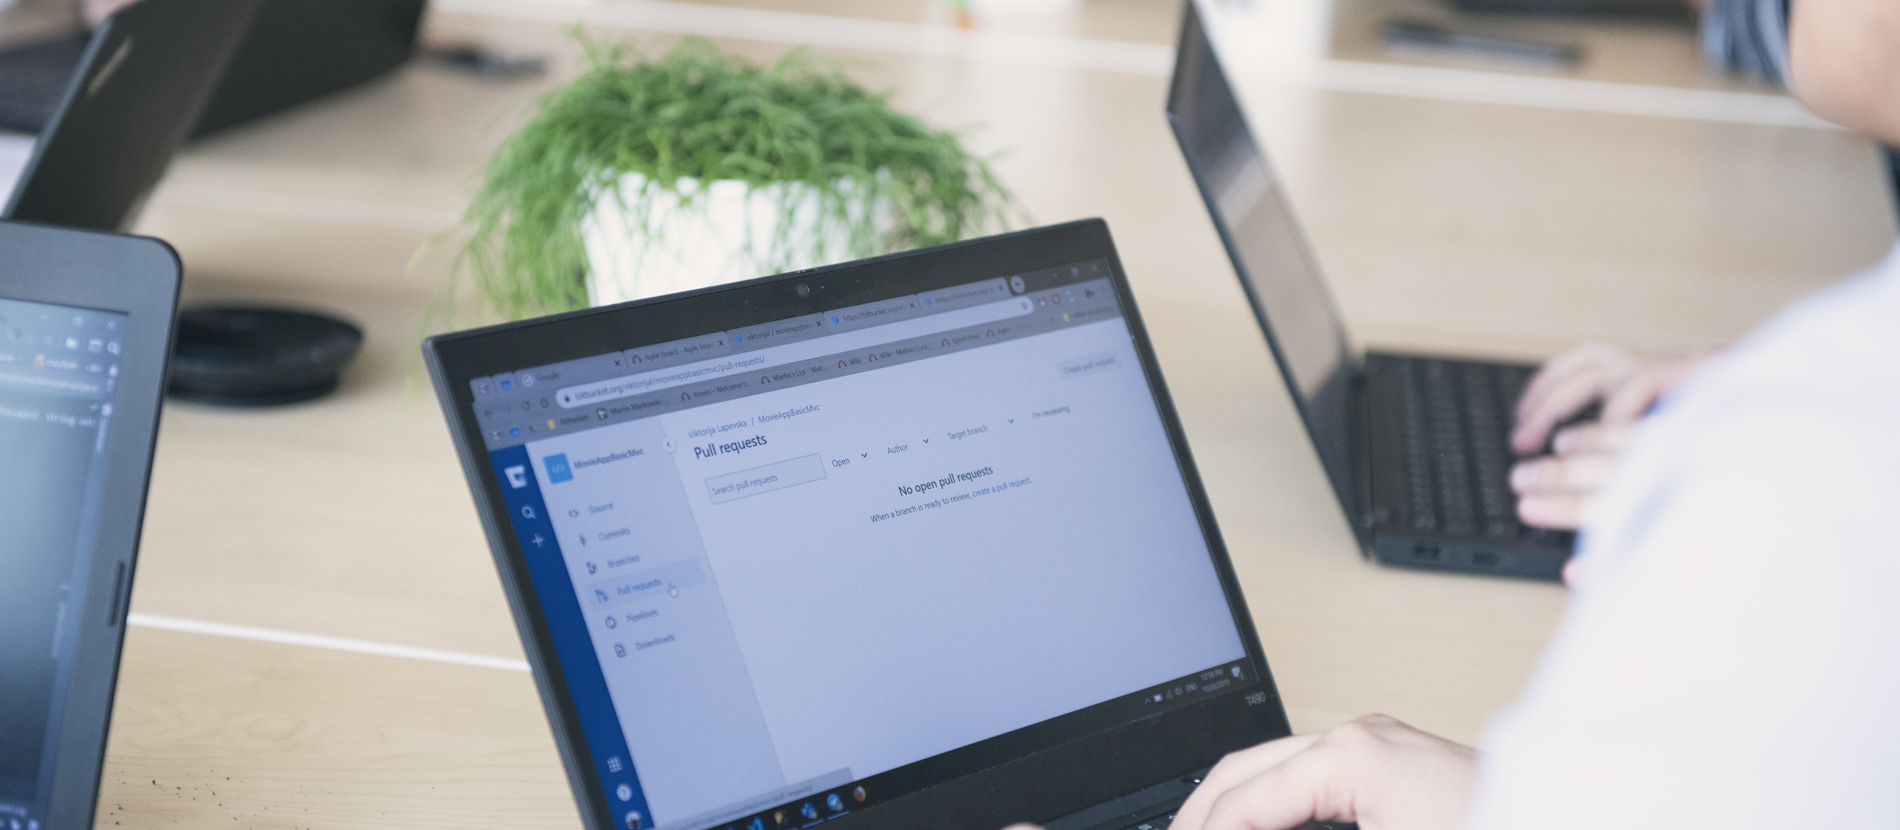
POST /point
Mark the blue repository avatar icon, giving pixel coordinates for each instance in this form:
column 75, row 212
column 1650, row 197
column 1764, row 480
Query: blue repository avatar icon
column 558, row 471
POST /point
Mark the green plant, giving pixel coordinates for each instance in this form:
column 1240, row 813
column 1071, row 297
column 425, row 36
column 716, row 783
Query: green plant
column 698, row 114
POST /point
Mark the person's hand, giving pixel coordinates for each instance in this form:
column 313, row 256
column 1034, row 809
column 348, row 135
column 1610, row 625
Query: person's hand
column 1375, row 771
column 1552, row 490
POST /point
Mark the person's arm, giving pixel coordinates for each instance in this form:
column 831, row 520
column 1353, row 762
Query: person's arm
column 1729, row 661
column 1732, row 664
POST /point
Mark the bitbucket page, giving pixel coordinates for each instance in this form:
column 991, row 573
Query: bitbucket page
column 907, row 528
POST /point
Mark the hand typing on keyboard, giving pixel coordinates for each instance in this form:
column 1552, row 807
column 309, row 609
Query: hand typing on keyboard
column 1375, row 771
column 1553, row 489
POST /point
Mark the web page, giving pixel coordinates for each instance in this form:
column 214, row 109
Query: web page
column 820, row 580
column 58, row 369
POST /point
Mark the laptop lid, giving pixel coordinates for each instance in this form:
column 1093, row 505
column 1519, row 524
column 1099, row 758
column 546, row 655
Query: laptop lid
column 908, row 542
column 1282, row 282
column 85, row 327
column 138, row 92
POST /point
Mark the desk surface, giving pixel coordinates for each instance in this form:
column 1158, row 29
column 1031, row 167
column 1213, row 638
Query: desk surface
column 319, row 639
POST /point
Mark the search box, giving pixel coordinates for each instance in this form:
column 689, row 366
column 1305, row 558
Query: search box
column 802, row 470
column 588, row 394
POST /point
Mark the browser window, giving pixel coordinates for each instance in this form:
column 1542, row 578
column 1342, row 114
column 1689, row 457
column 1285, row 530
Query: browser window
column 58, row 371
column 804, row 557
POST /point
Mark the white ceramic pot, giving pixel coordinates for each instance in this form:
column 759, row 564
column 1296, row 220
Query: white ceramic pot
column 697, row 238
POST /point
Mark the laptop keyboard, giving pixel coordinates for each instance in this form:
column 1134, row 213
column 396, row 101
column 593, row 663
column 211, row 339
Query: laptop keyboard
column 1457, row 420
column 33, row 79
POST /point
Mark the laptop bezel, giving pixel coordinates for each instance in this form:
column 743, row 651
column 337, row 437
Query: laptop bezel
column 138, row 277
column 1039, row 785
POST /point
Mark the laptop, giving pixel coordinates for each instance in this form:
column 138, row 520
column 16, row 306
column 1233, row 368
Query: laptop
column 143, row 81
column 909, row 542
column 85, row 325
column 294, row 51
column 1416, row 447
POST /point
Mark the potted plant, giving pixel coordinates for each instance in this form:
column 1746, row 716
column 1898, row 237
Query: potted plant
column 643, row 177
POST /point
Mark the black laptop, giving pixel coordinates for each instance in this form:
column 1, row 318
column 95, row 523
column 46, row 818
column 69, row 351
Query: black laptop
column 85, row 325
column 293, row 51
column 143, row 81
column 1417, row 447
column 911, row 542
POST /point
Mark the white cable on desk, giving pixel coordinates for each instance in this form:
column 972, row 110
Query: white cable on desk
column 271, row 635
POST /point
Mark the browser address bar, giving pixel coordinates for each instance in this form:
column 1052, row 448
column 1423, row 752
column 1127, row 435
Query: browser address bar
column 587, row 394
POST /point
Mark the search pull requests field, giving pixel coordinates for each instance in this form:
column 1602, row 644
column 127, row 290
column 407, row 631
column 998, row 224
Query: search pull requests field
column 776, row 476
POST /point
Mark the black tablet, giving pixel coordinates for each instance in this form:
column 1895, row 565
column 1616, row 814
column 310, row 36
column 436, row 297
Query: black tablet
column 85, row 327
column 912, row 542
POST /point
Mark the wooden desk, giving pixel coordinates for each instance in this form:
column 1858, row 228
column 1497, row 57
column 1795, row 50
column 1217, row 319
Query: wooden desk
column 1510, row 230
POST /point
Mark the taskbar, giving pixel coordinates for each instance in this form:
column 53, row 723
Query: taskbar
column 837, row 802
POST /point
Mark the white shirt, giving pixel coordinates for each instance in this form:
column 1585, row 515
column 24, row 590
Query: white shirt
column 1731, row 654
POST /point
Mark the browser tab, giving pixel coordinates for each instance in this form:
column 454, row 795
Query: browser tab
column 569, row 371
column 959, row 296
column 780, row 331
column 674, row 352
column 874, row 314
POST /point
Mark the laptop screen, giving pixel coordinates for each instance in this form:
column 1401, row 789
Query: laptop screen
column 787, row 565
column 1257, row 224
column 58, row 370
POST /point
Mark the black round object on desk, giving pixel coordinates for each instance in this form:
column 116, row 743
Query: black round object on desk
column 259, row 356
